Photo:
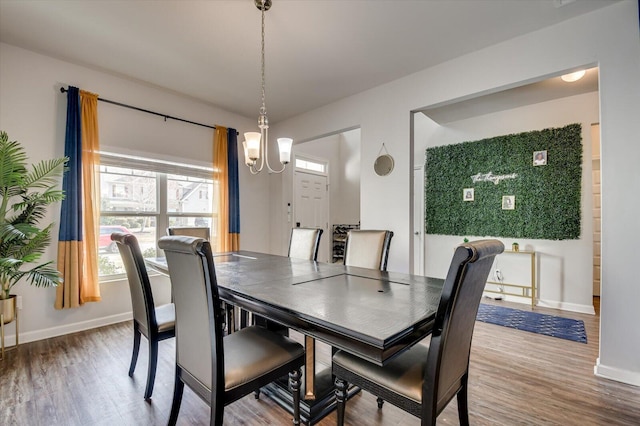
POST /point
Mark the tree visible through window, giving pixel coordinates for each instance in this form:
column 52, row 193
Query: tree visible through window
column 145, row 197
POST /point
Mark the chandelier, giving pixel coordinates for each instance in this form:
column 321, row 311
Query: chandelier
column 256, row 144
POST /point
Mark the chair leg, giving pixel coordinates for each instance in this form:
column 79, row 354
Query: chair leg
column 153, row 364
column 230, row 318
column 136, row 349
column 177, row 398
column 256, row 394
column 341, row 398
column 380, row 401
column 224, row 308
column 463, row 406
column 244, row 318
column 294, row 383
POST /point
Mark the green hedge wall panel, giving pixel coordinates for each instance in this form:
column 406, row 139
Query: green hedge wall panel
column 547, row 198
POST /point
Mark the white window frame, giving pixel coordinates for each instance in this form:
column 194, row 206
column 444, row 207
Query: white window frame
column 162, row 169
column 312, row 160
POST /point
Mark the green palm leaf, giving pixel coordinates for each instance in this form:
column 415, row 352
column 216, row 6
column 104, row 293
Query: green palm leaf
column 24, row 197
column 45, row 173
column 44, row 276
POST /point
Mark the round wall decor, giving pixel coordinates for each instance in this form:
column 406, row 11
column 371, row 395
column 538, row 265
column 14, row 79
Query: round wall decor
column 383, row 165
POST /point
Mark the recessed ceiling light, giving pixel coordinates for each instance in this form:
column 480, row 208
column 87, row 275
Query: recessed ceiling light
column 560, row 3
column 574, row 76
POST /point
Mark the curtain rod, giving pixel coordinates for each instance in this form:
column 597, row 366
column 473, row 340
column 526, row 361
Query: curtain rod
column 165, row 116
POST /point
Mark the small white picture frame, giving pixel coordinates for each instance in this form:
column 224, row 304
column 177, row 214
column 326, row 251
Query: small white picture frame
column 468, row 194
column 540, row 158
column 508, row 202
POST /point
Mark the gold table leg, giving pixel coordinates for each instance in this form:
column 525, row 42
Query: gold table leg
column 533, row 280
column 309, row 368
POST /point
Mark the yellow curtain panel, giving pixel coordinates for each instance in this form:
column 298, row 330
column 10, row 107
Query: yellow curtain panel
column 225, row 240
column 90, row 288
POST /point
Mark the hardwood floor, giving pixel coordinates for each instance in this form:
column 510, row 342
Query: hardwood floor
column 517, row 378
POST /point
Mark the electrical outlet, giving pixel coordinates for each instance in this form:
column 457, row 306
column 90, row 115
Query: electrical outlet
column 19, row 302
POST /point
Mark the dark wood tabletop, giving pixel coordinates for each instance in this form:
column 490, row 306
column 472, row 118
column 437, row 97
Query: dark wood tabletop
column 369, row 313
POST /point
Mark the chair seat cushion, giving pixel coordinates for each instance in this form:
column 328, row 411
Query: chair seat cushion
column 404, row 375
column 166, row 317
column 254, row 351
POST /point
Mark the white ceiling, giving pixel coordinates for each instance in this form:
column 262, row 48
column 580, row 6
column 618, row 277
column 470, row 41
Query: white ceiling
column 317, row 51
column 502, row 100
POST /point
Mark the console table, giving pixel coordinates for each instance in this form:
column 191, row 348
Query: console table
column 520, row 290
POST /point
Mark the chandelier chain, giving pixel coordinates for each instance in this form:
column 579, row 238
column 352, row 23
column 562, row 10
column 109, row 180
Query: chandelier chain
column 263, row 109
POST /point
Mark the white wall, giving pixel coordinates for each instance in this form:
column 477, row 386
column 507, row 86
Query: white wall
column 33, row 111
column 349, row 210
column 608, row 38
column 565, row 267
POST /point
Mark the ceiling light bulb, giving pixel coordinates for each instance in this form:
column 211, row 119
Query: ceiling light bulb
column 574, row 76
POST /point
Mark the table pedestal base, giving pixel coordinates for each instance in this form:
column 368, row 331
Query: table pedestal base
column 311, row 411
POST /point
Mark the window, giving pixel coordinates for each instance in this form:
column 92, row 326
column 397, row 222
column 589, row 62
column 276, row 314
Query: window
column 310, row 165
column 145, row 197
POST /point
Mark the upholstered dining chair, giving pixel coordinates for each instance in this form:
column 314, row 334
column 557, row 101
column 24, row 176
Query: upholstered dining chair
column 156, row 323
column 192, row 231
column 367, row 248
column 199, row 232
column 425, row 378
column 220, row 369
column 304, row 243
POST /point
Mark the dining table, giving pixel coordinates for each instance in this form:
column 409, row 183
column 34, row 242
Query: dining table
column 373, row 314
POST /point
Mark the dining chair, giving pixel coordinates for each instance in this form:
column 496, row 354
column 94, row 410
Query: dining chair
column 425, row 378
column 201, row 232
column 220, row 368
column 304, row 243
column 367, row 248
column 192, row 231
column 156, row 323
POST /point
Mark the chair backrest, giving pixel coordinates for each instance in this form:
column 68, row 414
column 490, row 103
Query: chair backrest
column 141, row 295
column 191, row 231
column 304, row 243
column 199, row 350
column 448, row 359
column 367, row 249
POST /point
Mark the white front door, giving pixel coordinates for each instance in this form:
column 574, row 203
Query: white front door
column 311, row 207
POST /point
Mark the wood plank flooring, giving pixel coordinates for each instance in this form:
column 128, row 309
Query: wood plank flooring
column 517, row 378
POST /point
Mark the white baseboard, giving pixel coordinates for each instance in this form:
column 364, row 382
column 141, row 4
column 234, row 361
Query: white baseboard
column 612, row 373
column 32, row 336
column 573, row 307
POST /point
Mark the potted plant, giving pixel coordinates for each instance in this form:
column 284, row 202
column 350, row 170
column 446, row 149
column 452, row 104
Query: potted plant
column 25, row 193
